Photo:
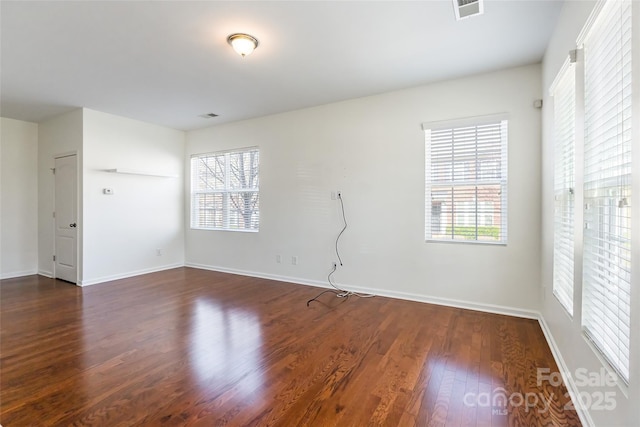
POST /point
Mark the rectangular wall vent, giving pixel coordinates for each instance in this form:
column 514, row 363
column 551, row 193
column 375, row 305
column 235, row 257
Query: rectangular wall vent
column 467, row 8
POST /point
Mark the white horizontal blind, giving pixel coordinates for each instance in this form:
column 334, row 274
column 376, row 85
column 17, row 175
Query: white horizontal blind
column 564, row 102
column 466, row 182
column 225, row 190
column 607, row 186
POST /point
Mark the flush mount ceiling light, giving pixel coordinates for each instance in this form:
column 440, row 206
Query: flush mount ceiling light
column 244, row 44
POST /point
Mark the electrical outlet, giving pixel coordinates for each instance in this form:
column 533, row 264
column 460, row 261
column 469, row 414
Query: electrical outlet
column 339, row 194
column 336, row 194
column 334, row 265
column 279, row 259
column 294, row 260
column 333, row 195
column 159, row 252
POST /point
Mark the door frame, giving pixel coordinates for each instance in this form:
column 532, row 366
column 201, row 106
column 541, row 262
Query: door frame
column 78, row 212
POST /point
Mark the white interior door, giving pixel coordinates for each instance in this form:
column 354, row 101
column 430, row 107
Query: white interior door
column 66, row 223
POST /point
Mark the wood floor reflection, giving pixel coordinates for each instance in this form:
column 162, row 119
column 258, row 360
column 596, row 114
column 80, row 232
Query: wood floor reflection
column 194, row 347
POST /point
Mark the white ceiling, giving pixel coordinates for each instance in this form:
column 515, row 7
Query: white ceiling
column 169, row 62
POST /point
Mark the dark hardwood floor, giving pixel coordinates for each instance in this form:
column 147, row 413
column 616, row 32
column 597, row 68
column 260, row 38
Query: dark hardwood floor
column 193, row 347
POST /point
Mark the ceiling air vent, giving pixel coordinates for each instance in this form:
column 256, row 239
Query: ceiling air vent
column 209, row 115
column 466, row 8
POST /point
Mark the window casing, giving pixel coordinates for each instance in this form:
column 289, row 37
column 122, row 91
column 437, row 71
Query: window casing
column 606, row 305
column 466, row 180
column 564, row 116
column 225, row 190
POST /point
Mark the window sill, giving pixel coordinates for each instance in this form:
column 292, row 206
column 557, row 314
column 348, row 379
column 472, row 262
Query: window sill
column 241, row 230
column 466, row 242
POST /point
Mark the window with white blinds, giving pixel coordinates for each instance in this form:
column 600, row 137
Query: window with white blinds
column 564, row 115
column 607, row 184
column 224, row 190
column 466, row 180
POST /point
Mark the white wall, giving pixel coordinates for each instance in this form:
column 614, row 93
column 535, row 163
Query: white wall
column 566, row 332
column 18, row 198
column 372, row 149
column 123, row 231
column 56, row 136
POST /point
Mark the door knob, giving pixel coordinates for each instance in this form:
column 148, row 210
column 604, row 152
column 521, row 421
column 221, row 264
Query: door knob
column 74, row 225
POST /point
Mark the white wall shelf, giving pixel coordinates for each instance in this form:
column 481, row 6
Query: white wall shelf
column 138, row 172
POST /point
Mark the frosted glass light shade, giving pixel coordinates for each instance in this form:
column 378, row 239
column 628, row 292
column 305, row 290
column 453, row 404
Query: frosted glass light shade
column 244, row 44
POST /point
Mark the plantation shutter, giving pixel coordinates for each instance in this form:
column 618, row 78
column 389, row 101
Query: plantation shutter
column 607, row 184
column 466, row 181
column 564, row 102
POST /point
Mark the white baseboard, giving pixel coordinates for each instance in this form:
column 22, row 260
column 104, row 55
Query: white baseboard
column 14, row 274
column 583, row 413
column 45, row 273
column 449, row 302
column 287, row 279
column 488, row 308
column 119, row 276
